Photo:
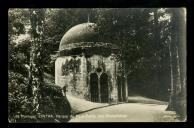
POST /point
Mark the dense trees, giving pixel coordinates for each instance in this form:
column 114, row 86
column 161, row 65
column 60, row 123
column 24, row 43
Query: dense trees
column 150, row 39
column 142, row 35
column 28, row 93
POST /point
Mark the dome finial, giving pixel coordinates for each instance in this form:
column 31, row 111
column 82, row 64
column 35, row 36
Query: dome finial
column 88, row 18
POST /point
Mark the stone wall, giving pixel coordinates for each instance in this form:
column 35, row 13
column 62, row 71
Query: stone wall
column 70, row 72
column 74, row 73
column 109, row 66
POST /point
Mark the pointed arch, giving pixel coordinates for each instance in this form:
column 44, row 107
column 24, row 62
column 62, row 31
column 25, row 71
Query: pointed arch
column 104, row 90
column 94, row 91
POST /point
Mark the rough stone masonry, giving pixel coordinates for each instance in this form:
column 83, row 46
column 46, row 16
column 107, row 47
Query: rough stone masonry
column 88, row 68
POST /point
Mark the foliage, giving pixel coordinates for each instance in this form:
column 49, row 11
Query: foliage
column 19, row 57
column 143, row 34
column 146, row 56
column 52, row 101
column 71, row 66
column 17, row 21
column 18, row 102
column 143, row 50
column 19, row 86
column 139, row 33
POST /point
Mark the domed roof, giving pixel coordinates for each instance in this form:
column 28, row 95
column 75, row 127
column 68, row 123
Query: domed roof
column 85, row 32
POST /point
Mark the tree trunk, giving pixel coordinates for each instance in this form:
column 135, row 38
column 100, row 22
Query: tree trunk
column 181, row 49
column 170, row 106
column 36, row 67
column 178, row 61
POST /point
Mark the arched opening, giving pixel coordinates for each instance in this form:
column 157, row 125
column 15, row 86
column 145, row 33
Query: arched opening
column 94, row 87
column 104, row 88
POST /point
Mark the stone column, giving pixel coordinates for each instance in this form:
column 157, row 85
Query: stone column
column 114, row 92
column 126, row 84
column 83, row 80
column 56, row 73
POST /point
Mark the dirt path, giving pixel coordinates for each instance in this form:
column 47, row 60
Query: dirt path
column 126, row 112
column 129, row 112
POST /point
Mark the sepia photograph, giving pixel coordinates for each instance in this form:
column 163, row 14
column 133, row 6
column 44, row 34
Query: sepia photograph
column 97, row 65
